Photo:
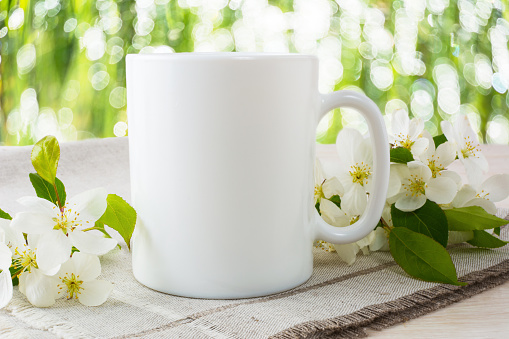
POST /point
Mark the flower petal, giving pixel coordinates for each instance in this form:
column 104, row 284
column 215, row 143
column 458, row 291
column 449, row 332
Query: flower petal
column 399, row 123
column 92, row 243
column 409, row 203
column 332, row 214
column 95, row 292
column 5, row 288
column 354, row 201
column 465, row 194
column 419, row 147
column 445, row 154
column 366, row 241
column 12, row 238
column 457, row 237
column 441, row 190
column 319, row 176
column 40, row 290
column 347, row 252
column 381, row 241
column 347, row 143
column 332, row 187
column 28, row 222
column 488, row 206
column 39, row 205
column 448, row 131
column 451, row 175
column 419, row 170
column 90, row 204
column 53, row 249
column 474, row 171
column 415, row 128
column 87, row 266
column 394, row 184
column 5, row 257
column 496, row 187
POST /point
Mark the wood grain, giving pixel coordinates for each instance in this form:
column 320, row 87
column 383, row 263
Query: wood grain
column 485, row 315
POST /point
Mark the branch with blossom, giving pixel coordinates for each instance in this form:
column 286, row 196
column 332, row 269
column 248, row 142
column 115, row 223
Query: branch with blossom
column 427, row 207
column 51, row 249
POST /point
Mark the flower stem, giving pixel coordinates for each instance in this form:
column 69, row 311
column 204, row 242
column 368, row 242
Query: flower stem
column 58, row 198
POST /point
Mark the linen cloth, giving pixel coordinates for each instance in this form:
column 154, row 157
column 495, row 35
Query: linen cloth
column 337, row 301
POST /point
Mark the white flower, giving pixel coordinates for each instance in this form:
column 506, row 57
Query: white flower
column 60, row 229
column 356, row 169
column 418, row 184
column 437, row 159
column 493, row 189
column 325, row 188
column 5, row 275
column 407, row 133
column 465, row 140
column 77, row 279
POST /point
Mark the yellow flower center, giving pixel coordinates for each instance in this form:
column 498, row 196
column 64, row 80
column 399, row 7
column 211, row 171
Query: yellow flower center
column 483, row 195
column 354, row 219
column 415, row 186
column 471, row 148
column 404, row 141
column 67, row 221
column 26, row 259
column 360, row 173
column 434, row 167
column 73, row 285
column 319, row 192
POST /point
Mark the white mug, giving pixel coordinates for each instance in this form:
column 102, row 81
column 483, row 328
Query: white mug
column 222, row 151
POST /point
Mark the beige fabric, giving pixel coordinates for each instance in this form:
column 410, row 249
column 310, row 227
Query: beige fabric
column 337, row 301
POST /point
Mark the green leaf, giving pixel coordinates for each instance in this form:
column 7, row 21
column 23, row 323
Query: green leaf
column 120, row 216
column 401, row 155
column 15, row 270
column 45, row 156
column 5, row 215
column 422, row 257
column 486, row 240
column 496, row 230
column 336, row 199
column 439, row 140
column 45, row 190
column 317, row 206
column 472, row 218
column 429, row 220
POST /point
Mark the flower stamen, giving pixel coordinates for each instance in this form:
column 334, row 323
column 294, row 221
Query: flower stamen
column 73, row 285
column 360, row 173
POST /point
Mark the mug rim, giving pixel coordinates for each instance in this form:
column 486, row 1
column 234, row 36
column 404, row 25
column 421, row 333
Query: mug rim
column 222, row 56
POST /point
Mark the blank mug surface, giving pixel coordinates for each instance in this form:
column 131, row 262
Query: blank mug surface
column 221, row 154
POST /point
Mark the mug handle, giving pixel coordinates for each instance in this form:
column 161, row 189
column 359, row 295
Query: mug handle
column 381, row 168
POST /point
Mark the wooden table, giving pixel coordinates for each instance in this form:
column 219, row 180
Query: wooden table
column 485, row 315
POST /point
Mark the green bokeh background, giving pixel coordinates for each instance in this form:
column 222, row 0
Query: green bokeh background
column 63, row 69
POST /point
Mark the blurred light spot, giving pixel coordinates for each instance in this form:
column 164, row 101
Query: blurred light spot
column 26, row 58
column 100, row 80
column 65, row 117
column 120, row 129
column 70, row 25
column 449, row 100
column 144, row 3
column 367, row 50
column 46, row 124
column 72, row 91
column 324, row 124
column 16, row 19
column 473, row 116
column 13, row 123
column 81, row 29
column 94, row 41
column 431, row 127
column 40, row 9
column 395, row 105
column 118, row 97
column 437, row 7
column 111, row 25
column 483, row 71
column 499, row 83
column 50, row 4
column 29, row 106
column 421, row 104
column 141, row 41
column 144, row 26
column 381, row 75
column 3, row 32
column 469, row 74
column 498, row 130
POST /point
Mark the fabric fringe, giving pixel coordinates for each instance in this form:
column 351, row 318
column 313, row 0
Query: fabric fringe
column 380, row 316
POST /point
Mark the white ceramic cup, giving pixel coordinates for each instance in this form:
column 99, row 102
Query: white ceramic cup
column 222, row 151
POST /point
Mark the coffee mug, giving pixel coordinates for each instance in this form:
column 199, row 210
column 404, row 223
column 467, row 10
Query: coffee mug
column 222, row 151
